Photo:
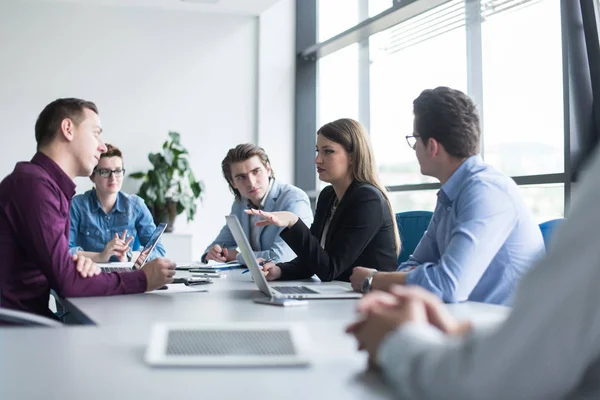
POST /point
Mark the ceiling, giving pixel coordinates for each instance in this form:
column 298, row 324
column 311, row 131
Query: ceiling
column 245, row 7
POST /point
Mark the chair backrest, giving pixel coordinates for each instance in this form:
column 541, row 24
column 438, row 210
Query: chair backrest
column 21, row 318
column 548, row 229
column 411, row 225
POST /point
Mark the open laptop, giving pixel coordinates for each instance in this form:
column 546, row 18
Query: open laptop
column 149, row 247
column 291, row 292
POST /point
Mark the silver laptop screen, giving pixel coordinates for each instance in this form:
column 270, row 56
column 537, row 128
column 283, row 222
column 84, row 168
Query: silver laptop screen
column 242, row 241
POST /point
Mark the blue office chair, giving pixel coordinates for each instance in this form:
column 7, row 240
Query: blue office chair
column 548, row 229
column 412, row 226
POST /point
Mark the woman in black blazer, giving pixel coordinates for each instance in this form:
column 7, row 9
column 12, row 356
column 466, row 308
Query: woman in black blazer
column 354, row 223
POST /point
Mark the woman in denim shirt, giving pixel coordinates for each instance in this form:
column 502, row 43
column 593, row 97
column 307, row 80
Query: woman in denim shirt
column 105, row 221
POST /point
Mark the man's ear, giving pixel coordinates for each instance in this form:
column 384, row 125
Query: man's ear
column 268, row 168
column 433, row 147
column 67, row 129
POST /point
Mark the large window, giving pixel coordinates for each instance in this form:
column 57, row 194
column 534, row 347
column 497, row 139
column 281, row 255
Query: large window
column 406, row 59
column 414, row 200
column 545, row 201
column 337, row 89
column 523, row 89
column 338, row 85
column 506, row 54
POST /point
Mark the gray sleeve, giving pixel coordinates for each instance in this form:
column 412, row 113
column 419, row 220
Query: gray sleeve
column 225, row 237
column 543, row 349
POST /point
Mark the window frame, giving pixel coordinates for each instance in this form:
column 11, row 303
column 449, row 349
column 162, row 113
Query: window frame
column 400, row 11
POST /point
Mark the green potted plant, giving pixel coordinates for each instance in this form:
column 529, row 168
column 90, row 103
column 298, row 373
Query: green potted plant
column 170, row 188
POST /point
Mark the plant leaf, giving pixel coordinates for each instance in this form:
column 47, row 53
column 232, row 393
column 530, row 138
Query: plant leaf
column 138, row 175
column 170, row 179
column 175, row 137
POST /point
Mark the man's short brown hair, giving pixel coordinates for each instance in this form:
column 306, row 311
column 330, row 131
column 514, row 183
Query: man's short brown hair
column 49, row 121
column 240, row 153
column 450, row 117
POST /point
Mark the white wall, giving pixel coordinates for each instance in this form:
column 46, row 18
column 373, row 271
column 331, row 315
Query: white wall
column 149, row 71
column 276, row 87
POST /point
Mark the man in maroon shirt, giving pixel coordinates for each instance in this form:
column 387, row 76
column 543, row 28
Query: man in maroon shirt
column 34, row 217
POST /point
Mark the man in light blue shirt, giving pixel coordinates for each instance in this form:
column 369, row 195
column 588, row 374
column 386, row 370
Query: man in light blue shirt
column 482, row 238
column 252, row 181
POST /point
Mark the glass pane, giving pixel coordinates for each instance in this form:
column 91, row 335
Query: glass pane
column 546, row 202
column 337, row 16
column 418, row 200
column 522, row 90
column 337, row 83
column 378, row 6
column 399, row 72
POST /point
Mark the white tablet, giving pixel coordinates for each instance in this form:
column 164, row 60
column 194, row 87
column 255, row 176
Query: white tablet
column 228, row 345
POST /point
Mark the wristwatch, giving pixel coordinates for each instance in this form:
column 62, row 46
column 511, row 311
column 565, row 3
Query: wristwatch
column 367, row 282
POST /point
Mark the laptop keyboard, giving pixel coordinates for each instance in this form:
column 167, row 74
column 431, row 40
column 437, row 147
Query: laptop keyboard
column 294, row 290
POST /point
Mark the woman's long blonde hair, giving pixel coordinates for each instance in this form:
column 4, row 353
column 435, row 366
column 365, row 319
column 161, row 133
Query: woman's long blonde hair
column 353, row 137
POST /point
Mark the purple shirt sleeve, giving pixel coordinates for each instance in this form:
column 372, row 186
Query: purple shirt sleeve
column 40, row 213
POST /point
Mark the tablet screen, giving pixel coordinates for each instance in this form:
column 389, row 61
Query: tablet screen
column 151, row 244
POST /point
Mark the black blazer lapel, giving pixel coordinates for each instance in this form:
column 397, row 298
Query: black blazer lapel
column 339, row 212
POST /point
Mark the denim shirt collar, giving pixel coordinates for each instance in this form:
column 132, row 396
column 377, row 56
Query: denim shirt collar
column 95, row 205
column 451, row 188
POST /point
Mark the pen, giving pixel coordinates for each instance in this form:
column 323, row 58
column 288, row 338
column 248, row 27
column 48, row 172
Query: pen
column 261, row 264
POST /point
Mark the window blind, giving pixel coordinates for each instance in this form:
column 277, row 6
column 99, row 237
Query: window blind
column 440, row 20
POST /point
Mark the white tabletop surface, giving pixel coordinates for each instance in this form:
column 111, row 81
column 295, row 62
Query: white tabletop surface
column 105, row 361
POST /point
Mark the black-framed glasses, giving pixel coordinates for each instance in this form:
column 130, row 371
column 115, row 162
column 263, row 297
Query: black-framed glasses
column 106, row 173
column 412, row 140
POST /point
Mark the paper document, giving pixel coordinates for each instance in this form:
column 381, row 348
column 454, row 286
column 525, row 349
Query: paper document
column 210, row 265
column 116, row 264
column 180, row 288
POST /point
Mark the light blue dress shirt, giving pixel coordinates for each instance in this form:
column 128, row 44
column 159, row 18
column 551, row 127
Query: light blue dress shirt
column 280, row 197
column 92, row 228
column 481, row 240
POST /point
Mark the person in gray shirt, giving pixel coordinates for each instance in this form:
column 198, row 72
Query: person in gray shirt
column 547, row 348
column 251, row 179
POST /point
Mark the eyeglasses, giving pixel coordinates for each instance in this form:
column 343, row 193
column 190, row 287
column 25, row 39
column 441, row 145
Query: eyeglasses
column 106, row 173
column 412, row 141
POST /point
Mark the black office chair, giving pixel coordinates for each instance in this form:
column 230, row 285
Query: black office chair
column 21, row 318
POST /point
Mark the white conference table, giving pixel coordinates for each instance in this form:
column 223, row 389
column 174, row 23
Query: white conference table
column 105, row 361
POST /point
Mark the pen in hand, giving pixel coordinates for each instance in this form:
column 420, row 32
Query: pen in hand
column 260, row 264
